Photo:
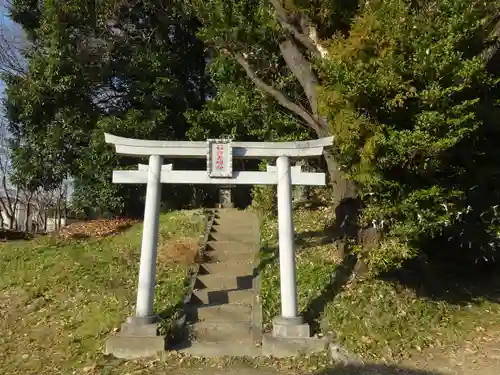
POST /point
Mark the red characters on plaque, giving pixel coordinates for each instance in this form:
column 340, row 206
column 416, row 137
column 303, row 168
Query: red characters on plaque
column 219, row 162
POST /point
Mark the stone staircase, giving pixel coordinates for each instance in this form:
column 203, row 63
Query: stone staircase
column 223, row 308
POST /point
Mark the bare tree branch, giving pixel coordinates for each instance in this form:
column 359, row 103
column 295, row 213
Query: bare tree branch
column 9, row 197
column 285, row 21
column 278, row 95
column 308, row 36
column 302, row 70
column 11, row 48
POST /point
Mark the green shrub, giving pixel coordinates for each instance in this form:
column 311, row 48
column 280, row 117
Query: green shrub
column 414, row 111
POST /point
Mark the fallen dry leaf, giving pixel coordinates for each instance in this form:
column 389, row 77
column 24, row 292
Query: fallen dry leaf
column 96, row 228
column 178, row 251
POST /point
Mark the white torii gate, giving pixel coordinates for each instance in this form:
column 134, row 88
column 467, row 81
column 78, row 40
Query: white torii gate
column 219, row 154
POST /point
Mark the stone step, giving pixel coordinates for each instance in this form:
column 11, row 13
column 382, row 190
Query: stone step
column 231, row 247
column 234, row 236
column 226, row 256
column 222, row 282
column 221, row 297
column 222, row 313
column 221, row 349
column 235, row 332
column 230, row 226
column 238, row 220
column 227, row 268
column 233, row 212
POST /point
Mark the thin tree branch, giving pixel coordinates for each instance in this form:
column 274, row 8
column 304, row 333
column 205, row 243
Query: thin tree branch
column 276, row 94
column 11, row 60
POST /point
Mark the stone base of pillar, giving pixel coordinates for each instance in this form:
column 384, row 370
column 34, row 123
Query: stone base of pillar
column 138, row 338
column 291, row 338
column 291, row 327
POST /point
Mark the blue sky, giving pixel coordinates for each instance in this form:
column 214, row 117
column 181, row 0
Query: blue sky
column 9, row 28
column 4, row 22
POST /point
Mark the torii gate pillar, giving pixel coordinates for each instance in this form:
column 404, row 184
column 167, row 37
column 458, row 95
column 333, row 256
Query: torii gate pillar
column 290, row 324
column 147, row 271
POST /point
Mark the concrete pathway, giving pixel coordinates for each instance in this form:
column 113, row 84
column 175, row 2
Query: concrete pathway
column 220, row 309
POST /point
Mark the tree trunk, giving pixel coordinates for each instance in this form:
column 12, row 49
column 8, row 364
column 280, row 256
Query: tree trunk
column 347, row 205
column 28, row 213
column 27, row 218
column 58, row 214
column 343, row 188
column 65, row 214
column 9, row 213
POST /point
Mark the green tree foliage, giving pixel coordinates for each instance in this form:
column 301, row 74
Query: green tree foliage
column 275, row 45
column 127, row 67
column 416, row 112
column 409, row 90
column 404, row 88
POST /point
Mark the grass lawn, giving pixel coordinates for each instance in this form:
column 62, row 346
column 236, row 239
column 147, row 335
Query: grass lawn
column 376, row 318
column 61, row 298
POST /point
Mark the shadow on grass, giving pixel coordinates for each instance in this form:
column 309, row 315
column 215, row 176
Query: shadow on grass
column 268, row 255
column 339, row 279
column 314, row 238
column 10, row 235
column 372, row 369
column 459, row 267
column 460, row 284
column 444, row 275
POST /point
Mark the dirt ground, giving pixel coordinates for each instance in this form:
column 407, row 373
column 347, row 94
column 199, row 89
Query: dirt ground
column 338, row 370
column 480, row 355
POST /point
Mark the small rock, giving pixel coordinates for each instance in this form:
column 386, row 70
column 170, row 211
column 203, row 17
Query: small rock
column 339, row 354
column 25, row 356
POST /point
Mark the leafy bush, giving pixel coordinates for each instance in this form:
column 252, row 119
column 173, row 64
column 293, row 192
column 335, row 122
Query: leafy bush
column 414, row 111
